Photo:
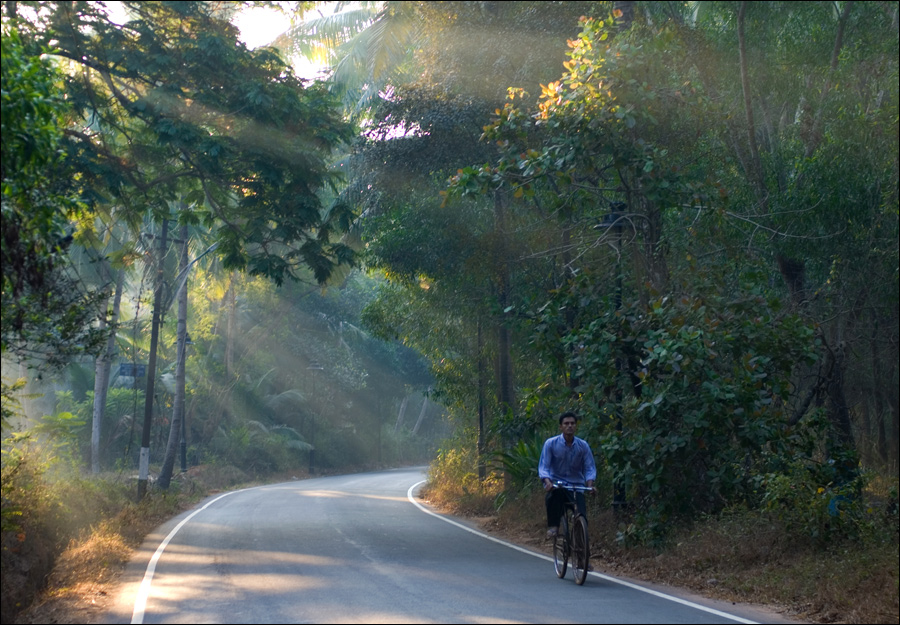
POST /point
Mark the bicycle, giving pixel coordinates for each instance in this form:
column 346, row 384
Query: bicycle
column 572, row 537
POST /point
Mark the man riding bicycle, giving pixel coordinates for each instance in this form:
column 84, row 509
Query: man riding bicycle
column 565, row 458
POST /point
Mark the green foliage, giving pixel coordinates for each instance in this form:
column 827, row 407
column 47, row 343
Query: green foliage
column 301, row 362
column 806, row 505
column 520, row 462
column 593, row 136
column 455, row 271
column 72, row 420
column 10, row 406
column 61, row 427
column 46, row 311
column 367, row 44
column 47, row 504
column 172, row 108
column 703, row 385
column 707, row 389
column 819, row 489
column 259, row 450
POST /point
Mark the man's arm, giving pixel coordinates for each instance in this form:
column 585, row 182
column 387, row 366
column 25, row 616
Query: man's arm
column 590, row 467
column 544, row 465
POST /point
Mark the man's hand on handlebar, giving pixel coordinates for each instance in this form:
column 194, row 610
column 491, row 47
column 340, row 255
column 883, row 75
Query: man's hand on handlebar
column 550, row 485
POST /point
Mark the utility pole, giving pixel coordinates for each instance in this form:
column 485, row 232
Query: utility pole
column 175, row 431
column 144, row 470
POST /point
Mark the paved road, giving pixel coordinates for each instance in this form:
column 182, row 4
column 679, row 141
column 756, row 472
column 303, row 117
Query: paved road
column 358, row 549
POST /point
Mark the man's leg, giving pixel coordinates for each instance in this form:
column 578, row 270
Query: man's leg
column 580, row 504
column 554, row 501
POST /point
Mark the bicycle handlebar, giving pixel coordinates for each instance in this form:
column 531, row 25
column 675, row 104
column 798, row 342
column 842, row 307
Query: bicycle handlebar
column 579, row 489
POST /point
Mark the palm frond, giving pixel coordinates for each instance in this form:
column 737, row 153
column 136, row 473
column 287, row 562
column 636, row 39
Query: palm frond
column 258, row 425
column 298, row 445
column 287, row 399
column 367, row 44
column 311, row 37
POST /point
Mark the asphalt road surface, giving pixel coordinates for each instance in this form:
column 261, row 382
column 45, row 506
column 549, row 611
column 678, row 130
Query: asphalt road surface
column 360, row 549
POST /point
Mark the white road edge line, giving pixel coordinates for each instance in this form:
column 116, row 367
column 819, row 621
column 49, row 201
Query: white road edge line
column 697, row 606
column 140, row 603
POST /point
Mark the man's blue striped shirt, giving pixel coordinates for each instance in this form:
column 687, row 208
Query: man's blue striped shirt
column 574, row 465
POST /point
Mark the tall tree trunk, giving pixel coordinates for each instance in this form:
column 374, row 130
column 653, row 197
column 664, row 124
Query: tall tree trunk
column 506, row 393
column 102, row 370
column 505, row 387
column 144, row 468
column 838, row 410
column 482, row 384
column 793, row 270
column 231, row 304
column 230, row 326
column 756, row 171
column 421, row 415
column 165, row 475
column 894, row 450
column 657, row 267
column 877, row 377
column 566, row 275
column 627, row 14
column 816, row 134
column 400, row 413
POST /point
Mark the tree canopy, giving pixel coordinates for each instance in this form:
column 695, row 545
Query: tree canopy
column 678, row 220
column 170, row 106
column 47, row 311
column 683, row 184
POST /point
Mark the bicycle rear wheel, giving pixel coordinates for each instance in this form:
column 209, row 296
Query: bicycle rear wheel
column 581, row 550
column 561, row 547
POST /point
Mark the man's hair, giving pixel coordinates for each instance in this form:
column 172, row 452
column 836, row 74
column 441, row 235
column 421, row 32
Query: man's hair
column 568, row 414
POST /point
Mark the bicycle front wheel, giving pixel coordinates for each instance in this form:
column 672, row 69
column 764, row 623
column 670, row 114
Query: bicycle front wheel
column 561, row 548
column 581, row 550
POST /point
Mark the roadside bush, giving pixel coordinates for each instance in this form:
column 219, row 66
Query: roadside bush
column 453, row 480
column 822, row 511
column 45, row 504
column 117, row 428
column 810, row 498
column 520, row 463
column 257, row 449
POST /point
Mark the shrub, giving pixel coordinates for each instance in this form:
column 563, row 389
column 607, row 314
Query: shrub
column 453, row 480
column 520, row 463
column 45, row 504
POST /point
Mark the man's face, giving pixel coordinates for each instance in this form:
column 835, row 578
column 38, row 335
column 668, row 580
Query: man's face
column 568, row 426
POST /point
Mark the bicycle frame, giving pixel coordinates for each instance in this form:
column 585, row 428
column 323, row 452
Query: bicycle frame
column 572, row 538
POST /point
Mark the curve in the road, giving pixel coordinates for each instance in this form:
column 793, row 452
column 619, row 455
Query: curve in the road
column 143, row 593
column 656, row 593
column 140, row 603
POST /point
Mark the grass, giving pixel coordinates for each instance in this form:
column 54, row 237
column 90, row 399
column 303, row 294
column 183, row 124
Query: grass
column 749, row 557
column 85, row 572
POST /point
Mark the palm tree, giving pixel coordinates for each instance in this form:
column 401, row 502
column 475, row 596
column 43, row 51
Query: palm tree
column 366, row 45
